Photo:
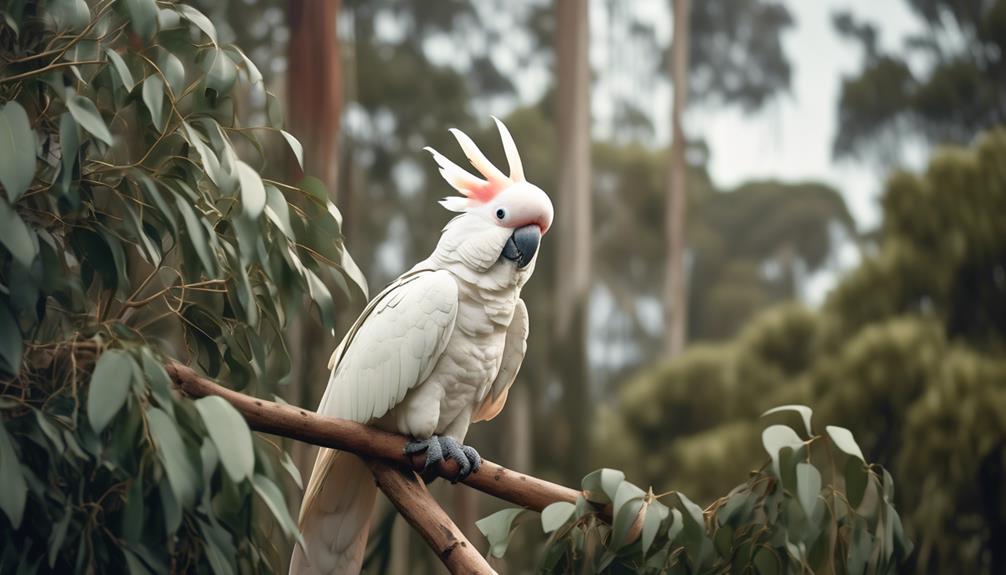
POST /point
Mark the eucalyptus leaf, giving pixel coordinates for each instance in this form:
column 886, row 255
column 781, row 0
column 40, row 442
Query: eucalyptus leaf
column 174, row 72
column 804, row 411
column 158, row 380
column 110, row 383
column 628, row 522
column 291, row 468
column 220, row 72
column 153, row 98
column 11, row 342
column 199, row 19
column 295, row 145
column 808, row 487
column 651, row 526
column 69, row 142
column 17, row 150
column 600, row 486
column 253, row 197
column 624, row 493
column 58, row 536
column 197, row 236
column 498, row 529
column 15, row 491
column 69, row 15
column 143, row 17
column 230, row 434
column 182, row 474
column 556, row 515
column 843, row 439
column 273, row 498
column 278, row 211
column 88, row 117
column 774, row 438
column 19, row 240
column 121, row 69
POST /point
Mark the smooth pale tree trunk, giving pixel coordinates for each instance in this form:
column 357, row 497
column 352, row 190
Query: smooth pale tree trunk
column 573, row 222
column 314, row 96
column 675, row 280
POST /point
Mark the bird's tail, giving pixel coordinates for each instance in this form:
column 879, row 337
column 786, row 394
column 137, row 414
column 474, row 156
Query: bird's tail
column 335, row 515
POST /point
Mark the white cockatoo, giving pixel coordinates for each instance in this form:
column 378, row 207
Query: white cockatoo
column 434, row 352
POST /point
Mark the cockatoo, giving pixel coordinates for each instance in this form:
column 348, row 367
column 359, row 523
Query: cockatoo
column 434, row 352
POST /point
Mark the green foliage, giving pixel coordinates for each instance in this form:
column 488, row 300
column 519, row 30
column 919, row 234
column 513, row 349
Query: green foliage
column 140, row 223
column 945, row 84
column 906, row 351
column 796, row 515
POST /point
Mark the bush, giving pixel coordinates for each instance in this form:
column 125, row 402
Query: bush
column 137, row 227
column 796, row 514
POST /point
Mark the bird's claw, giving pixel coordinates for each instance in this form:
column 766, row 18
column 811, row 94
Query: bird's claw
column 439, row 448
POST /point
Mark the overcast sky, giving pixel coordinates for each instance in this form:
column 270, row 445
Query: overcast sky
column 792, row 139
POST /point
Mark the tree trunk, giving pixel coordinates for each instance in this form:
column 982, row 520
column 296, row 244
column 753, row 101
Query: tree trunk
column 675, row 281
column 573, row 221
column 314, row 85
column 314, row 96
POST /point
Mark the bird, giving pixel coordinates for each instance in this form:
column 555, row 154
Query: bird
column 434, row 352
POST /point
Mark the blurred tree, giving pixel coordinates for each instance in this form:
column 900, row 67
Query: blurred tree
column 314, row 111
column 675, row 284
column 944, row 86
column 907, row 351
column 724, row 52
column 755, row 244
column 573, row 221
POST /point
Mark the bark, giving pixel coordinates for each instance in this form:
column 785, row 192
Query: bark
column 573, row 222
column 675, row 282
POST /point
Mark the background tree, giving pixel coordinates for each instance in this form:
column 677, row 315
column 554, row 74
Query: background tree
column 733, row 53
column 574, row 222
column 943, row 86
column 906, row 350
column 675, row 281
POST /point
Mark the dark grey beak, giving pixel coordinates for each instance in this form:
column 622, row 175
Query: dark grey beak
column 522, row 245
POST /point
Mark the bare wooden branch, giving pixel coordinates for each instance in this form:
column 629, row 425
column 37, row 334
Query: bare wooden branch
column 409, row 494
column 303, row 425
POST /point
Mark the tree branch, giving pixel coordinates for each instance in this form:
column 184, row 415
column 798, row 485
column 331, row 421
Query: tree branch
column 409, row 494
column 302, row 425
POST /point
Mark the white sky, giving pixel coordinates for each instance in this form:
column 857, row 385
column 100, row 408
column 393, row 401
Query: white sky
column 792, row 139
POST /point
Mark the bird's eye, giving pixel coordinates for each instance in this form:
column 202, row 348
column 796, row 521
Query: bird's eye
column 500, row 214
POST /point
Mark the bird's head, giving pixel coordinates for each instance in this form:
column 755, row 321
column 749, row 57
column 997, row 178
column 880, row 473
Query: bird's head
column 503, row 217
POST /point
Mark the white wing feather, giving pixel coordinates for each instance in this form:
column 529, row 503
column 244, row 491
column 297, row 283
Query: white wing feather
column 513, row 357
column 392, row 347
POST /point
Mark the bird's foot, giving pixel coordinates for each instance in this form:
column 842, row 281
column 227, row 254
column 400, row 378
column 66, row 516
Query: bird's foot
column 439, row 448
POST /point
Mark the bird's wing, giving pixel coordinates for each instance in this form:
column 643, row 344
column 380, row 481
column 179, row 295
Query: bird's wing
column 392, row 347
column 513, row 356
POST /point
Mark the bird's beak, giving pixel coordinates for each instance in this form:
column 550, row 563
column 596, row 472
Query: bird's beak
column 522, row 245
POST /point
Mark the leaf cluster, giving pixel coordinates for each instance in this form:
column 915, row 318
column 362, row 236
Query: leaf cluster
column 142, row 220
column 818, row 506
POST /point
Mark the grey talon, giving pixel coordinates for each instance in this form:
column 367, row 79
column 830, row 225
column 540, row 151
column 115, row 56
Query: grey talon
column 432, row 448
column 473, row 457
column 439, row 448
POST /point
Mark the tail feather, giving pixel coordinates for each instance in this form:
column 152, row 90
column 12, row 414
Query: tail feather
column 335, row 515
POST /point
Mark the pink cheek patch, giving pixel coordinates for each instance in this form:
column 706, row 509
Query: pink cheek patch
column 485, row 192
